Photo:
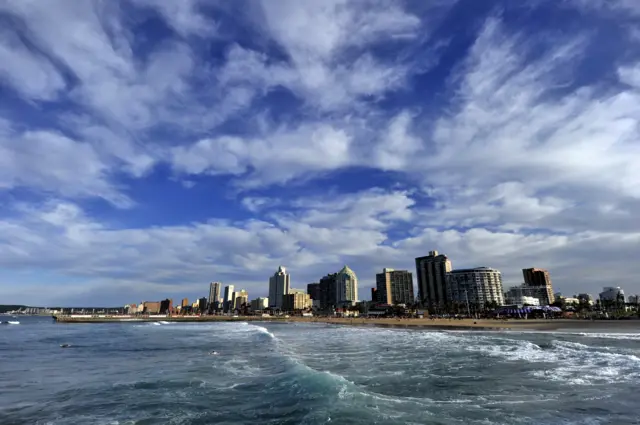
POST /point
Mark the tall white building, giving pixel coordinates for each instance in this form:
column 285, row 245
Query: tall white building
column 214, row 292
column 478, row 287
column 279, row 286
column 346, row 287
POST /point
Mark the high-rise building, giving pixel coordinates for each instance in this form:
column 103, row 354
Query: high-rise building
column 374, row 294
column 279, row 285
column 203, row 305
column 431, row 273
column 346, row 287
column 539, row 278
column 228, row 298
column 185, row 302
column 394, row 286
column 476, row 287
column 214, row 292
column 313, row 289
column 383, row 287
column 328, row 291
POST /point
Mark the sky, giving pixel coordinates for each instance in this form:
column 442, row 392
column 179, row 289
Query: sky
column 150, row 147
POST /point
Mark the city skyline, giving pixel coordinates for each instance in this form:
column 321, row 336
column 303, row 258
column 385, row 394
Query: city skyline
column 155, row 146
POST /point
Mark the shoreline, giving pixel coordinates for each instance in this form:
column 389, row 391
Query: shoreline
column 439, row 324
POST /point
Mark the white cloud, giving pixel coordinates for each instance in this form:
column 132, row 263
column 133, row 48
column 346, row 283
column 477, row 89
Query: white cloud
column 183, row 16
column 326, row 43
column 54, row 163
column 318, row 238
column 630, row 75
column 515, row 123
column 278, row 157
column 32, row 75
column 523, row 163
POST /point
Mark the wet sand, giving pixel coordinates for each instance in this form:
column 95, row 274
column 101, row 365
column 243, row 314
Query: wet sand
column 572, row 325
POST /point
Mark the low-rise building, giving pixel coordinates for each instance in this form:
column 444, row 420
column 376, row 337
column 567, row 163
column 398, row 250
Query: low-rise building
column 151, row 307
column 259, row 304
column 298, row 300
column 612, row 293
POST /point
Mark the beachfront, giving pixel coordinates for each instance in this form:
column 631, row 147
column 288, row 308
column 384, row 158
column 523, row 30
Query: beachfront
column 487, row 324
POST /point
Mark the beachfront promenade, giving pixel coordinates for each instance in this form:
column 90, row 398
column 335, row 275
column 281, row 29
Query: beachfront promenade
column 480, row 324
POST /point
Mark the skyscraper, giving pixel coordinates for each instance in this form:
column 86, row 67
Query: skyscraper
column 395, row 286
column 346, row 287
column 383, row 287
column 313, row 289
column 328, row 291
column 432, row 279
column 214, row 293
column 279, row 285
column 541, row 281
column 228, row 298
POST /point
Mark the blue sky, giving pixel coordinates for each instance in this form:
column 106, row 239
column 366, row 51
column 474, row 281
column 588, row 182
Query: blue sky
column 150, row 147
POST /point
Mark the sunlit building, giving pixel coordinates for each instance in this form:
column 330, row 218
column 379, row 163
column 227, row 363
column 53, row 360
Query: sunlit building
column 346, row 287
column 479, row 287
column 279, row 285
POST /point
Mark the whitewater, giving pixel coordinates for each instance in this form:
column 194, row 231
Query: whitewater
column 279, row 373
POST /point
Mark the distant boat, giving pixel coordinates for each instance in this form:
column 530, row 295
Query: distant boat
column 65, row 345
column 13, row 322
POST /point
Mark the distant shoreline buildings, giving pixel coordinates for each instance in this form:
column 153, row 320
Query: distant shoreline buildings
column 441, row 290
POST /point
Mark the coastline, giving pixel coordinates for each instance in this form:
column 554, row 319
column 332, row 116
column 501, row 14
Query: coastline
column 440, row 324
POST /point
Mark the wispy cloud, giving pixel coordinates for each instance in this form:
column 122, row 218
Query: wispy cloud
column 512, row 146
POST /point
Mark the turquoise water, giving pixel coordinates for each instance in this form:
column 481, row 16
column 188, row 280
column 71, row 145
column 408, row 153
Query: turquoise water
column 312, row 374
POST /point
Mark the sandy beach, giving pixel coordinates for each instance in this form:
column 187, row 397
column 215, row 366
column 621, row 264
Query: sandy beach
column 487, row 324
column 574, row 325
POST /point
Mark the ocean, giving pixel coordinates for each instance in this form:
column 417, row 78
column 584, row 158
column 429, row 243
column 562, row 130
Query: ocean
column 286, row 373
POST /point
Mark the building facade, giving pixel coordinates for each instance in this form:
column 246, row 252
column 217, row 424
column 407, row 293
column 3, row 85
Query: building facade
column 540, row 280
column 612, row 293
column 313, row 289
column 296, row 301
column 259, row 304
column 477, row 288
column 394, row 287
column 151, row 307
column 279, row 285
column 214, row 292
column 328, row 291
column 239, row 298
column 519, row 295
column 166, row 306
column 383, row 287
column 227, row 302
column 346, row 287
column 431, row 272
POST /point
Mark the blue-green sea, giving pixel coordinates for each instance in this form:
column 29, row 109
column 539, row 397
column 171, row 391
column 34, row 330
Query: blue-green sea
column 312, row 374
